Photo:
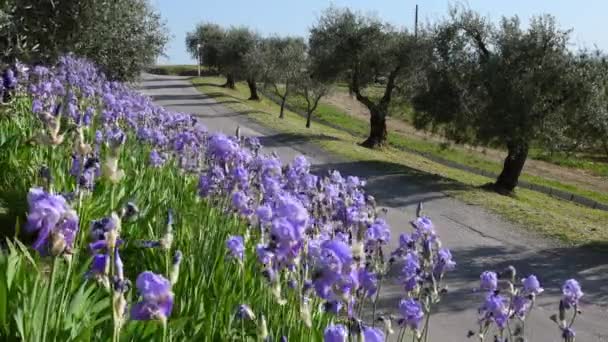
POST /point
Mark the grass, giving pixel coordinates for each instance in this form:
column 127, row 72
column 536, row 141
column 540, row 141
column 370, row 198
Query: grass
column 596, row 164
column 336, row 117
column 176, row 70
column 568, row 222
column 210, row 286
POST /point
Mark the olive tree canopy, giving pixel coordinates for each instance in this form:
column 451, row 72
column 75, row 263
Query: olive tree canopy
column 496, row 84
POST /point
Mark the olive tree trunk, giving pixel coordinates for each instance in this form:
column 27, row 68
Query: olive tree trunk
column 253, row 89
column 229, row 81
column 377, row 132
column 308, row 116
column 282, row 113
column 514, row 164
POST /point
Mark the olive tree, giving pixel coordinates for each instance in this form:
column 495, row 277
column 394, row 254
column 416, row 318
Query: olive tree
column 496, row 84
column 237, row 43
column 361, row 49
column 122, row 37
column 587, row 125
column 210, row 37
column 283, row 60
column 312, row 89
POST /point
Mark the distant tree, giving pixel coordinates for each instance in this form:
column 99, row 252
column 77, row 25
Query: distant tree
column 284, row 60
column 360, row 49
column 237, row 43
column 210, row 37
column 122, row 37
column 496, row 84
column 587, row 120
column 312, row 89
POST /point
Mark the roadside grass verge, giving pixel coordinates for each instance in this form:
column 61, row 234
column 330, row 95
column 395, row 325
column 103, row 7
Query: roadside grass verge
column 568, row 222
column 176, row 70
column 335, row 116
column 595, row 163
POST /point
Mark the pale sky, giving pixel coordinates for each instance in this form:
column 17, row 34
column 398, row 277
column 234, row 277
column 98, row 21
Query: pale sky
column 587, row 18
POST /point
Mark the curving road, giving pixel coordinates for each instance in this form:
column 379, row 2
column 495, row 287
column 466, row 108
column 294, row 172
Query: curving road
column 479, row 240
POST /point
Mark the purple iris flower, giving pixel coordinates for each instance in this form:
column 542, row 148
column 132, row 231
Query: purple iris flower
column 156, row 160
column 264, row 213
column 572, row 293
column 532, row 285
column 489, row 281
column 335, row 333
column 53, row 220
column 221, row 147
column 373, row 334
column 9, row 79
column 411, row 313
column 378, row 233
column 235, row 246
column 368, row 281
column 521, row 305
column 240, row 201
column 99, row 265
column 156, row 298
column 425, row 226
column 496, row 309
column 443, row 262
column 410, row 271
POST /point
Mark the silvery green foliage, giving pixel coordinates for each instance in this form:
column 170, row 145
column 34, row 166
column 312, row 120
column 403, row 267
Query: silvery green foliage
column 209, row 36
column 496, row 84
column 346, row 45
column 122, row 37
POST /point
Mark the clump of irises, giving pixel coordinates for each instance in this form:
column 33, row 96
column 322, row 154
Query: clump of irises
column 318, row 238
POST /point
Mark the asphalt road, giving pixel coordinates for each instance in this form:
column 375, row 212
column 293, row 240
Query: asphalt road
column 478, row 239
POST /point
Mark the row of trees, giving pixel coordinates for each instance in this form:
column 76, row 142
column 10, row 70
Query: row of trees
column 122, row 37
column 281, row 64
column 472, row 80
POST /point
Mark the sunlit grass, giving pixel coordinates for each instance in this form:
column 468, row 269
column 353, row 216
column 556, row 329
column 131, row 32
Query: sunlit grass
column 554, row 218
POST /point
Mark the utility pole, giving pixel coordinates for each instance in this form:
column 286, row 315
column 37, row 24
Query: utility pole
column 198, row 49
column 416, row 23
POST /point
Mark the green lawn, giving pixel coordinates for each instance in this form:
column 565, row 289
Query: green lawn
column 566, row 221
column 595, row 163
column 176, row 70
column 336, row 117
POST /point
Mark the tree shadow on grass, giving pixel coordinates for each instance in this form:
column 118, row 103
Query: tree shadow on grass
column 208, row 84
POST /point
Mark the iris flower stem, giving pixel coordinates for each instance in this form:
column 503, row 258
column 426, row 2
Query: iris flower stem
column 401, row 333
column 573, row 316
column 64, row 291
column 376, row 302
column 49, row 184
column 426, row 322
column 112, row 194
column 165, row 330
column 243, row 297
column 111, row 253
column 49, row 298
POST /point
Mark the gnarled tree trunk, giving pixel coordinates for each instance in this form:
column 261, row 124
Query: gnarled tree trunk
column 377, row 132
column 282, row 113
column 229, row 81
column 308, row 116
column 253, row 89
column 514, row 164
